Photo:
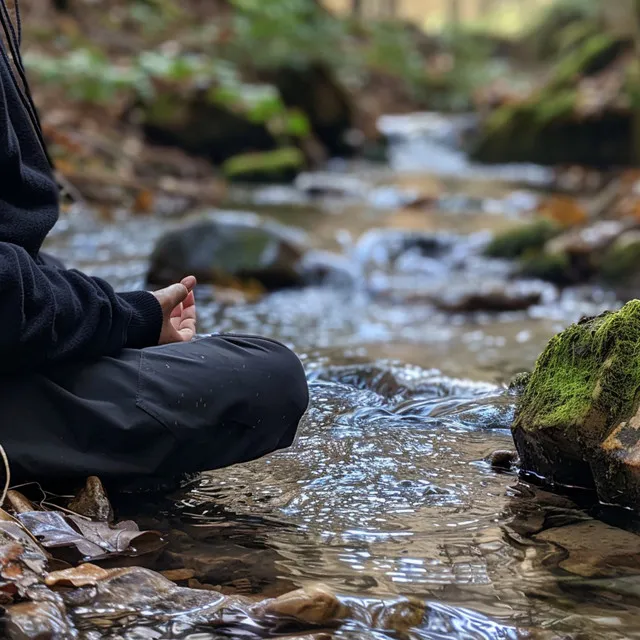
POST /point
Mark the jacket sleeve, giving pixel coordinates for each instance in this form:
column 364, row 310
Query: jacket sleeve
column 50, row 315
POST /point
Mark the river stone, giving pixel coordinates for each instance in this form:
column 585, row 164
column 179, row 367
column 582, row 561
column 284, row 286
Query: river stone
column 229, row 251
column 576, row 421
column 488, row 296
column 595, row 549
column 620, row 265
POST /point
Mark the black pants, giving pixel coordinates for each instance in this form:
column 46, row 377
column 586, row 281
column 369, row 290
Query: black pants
column 154, row 413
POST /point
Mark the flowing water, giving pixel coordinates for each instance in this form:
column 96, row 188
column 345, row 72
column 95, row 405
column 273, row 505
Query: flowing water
column 388, row 489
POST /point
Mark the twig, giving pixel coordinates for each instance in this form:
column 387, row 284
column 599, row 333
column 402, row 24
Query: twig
column 7, row 471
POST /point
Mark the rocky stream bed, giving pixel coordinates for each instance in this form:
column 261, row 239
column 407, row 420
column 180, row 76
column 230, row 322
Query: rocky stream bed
column 389, row 499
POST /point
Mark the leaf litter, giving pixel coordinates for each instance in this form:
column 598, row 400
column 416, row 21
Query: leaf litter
column 45, row 598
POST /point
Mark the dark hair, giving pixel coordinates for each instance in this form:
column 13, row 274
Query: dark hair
column 13, row 36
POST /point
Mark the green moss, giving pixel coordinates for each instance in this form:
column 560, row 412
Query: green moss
column 552, row 267
column 516, row 242
column 555, row 105
column 281, row 164
column 622, row 260
column 579, row 61
column 587, row 379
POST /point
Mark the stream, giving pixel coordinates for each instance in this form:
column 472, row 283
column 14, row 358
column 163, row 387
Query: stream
column 388, row 489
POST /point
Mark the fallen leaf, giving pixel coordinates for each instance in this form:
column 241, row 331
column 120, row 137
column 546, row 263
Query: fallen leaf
column 53, row 531
column 93, row 540
column 144, row 201
column 564, row 210
column 120, row 538
column 82, row 576
column 22, row 561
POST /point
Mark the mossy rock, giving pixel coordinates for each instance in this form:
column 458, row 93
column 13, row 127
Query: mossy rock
column 550, row 129
column 517, row 242
column 621, row 263
column 583, row 386
column 551, row 267
column 281, row 165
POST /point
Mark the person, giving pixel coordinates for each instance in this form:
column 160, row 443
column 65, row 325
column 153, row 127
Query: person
column 116, row 385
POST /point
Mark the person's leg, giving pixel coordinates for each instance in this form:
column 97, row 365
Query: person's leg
column 159, row 412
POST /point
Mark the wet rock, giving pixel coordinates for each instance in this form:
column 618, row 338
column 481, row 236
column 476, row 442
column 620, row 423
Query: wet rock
column 314, row 605
column 577, row 423
column 595, row 550
column 581, row 117
column 319, row 606
column 620, row 265
column 228, row 251
column 40, row 620
column 515, row 243
column 384, row 247
column 280, row 165
column 503, row 460
column 551, row 267
column 519, row 383
column 574, row 256
column 320, row 184
column 491, row 297
column 315, row 91
column 200, row 127
column 326, row 268
column 92, row 501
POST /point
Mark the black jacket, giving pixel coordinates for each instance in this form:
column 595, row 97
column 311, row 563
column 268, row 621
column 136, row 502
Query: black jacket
column 50, row 315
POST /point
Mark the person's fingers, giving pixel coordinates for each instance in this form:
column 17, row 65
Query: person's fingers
column 172, row 296
column 177, row 310
column 189, row 301
column 189, row 282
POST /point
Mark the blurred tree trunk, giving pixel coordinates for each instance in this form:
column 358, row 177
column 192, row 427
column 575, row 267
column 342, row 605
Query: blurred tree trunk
column 392, row 8
column 62, row 5
column 356, row 8
column 454, row 14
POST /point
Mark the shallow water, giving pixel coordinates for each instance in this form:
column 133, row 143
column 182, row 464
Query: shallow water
column 388, row 489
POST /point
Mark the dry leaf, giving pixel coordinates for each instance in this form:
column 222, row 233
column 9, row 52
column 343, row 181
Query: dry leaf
column 144, row 202
column 566, row 211
column 82, row 576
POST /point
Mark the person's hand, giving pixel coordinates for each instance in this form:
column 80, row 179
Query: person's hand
column 178, row 311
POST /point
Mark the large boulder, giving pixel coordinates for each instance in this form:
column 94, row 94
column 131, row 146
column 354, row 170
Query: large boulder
column 578, row 420
column 245, row 251
column 203, row 128
column 229, row 251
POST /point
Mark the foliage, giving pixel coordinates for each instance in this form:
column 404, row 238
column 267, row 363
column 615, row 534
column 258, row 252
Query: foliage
column 285, row 32
column 89, row 76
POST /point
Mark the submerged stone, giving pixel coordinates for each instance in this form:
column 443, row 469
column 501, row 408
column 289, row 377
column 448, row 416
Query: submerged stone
column 575, row 421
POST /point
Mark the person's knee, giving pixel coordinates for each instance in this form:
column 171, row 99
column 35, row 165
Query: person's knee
column 272, row 385
column 284, row 389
